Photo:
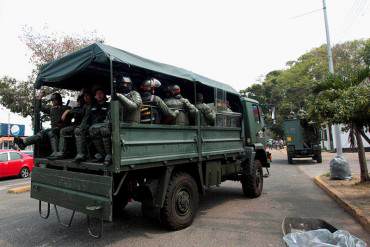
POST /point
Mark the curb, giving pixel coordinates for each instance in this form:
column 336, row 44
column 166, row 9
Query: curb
column 21, row 189
column 356, row 212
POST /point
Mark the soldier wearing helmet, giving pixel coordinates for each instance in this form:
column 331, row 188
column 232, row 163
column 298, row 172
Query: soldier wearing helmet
column 99, row 130
column 153, row 106
column 207, row 114
column 130, row 101
column 177, row 102
column 84, row 101
column 55, row 111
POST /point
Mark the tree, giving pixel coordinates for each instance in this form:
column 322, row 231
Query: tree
column 345, row 99
column 44, row 47
column 289, row 89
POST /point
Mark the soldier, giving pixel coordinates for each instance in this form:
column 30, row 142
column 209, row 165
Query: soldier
column 99, row 130
column 208, row 115
column 177, row 102
column 154, row 108
column 76, row 113
column 55, row 111
column 81, row 131
column 130, row 100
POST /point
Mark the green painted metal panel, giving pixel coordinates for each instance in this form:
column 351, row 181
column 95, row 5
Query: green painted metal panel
column 73, row 190
column 143, row 143
column 294, row 133
column 217, row 140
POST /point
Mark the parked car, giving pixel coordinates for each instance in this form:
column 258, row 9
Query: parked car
column 14, row 163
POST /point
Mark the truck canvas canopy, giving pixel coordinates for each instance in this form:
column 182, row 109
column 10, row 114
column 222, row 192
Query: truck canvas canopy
column 91, row 65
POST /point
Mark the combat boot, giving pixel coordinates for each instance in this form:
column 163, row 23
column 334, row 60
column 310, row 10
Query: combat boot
column 54, row 146
column 108, row 150
column 22, row 144
column 99, row 146
column 81, row 147
column 61, row 154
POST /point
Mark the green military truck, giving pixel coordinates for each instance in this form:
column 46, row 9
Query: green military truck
column 302, row 139
column 165, row 167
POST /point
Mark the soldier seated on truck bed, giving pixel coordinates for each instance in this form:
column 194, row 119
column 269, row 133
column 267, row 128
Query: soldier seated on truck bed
column 154, row 109
column 99, row 130
column 81, row 131
column 177, row 102
column 84, row 100
column 55, row 111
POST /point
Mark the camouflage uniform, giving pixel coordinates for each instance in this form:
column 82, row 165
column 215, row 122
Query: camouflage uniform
column 81, row 133
column 131, row 103
column 55, row 113
column 207, row 114
column 77, row 114
column 99, row 131
column 185, row 108
column 154, row 109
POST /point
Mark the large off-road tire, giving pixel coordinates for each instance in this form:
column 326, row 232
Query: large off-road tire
column 181, row 202
column 290, row 159
column 119, row 203
column 252, row 180
column 318, row 158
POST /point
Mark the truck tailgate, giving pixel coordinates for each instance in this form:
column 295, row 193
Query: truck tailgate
column 73, row 190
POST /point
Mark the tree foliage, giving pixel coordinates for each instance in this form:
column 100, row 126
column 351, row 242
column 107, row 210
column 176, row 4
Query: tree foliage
column 290, row 89
column 44, row 47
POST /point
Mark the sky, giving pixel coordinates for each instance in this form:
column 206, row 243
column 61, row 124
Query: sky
column 235, row 41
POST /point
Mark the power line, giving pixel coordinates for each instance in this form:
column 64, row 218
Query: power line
column 307, row 13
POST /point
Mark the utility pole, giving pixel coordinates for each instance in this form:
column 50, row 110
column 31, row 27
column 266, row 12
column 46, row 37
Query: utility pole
column 338, row 142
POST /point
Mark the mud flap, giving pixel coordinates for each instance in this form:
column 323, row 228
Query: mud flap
column 74, row 191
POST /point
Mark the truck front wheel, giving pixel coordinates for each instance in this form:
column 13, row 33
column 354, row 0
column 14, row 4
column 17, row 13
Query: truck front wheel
column 181, row 202
column 252, row 180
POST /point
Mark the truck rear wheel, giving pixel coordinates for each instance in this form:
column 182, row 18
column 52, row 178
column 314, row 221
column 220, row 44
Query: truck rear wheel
column 290, row 159
column 119, row 204
column 318, row 158
column 252, row 180
column 181, row 202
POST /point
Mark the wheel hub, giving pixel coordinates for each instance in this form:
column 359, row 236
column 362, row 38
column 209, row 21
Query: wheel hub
column 183, row 202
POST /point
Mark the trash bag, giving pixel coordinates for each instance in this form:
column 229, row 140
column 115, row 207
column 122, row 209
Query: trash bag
column 339, row 169
column 321, row 238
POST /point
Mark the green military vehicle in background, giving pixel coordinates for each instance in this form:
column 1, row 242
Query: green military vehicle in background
column 302, row 138
column 165, row 167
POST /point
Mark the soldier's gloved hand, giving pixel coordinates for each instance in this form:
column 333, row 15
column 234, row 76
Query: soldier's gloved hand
column 176, row 112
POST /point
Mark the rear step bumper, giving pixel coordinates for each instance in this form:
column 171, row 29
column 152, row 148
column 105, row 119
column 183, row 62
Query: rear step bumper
column 86, row 193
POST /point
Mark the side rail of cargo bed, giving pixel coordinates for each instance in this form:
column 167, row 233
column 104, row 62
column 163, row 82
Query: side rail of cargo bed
column 86, row 193
column 146, row 145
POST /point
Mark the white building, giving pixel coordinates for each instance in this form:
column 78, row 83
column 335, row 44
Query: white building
column 325, row 143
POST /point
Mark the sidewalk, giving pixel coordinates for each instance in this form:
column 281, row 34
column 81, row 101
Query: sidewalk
column 351, row 196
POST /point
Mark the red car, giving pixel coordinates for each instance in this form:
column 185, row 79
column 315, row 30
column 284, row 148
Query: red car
column 14, row 163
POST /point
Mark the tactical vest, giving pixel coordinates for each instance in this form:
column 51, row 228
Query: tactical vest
column 99, row 113
column 149, row 112
column 176, row 103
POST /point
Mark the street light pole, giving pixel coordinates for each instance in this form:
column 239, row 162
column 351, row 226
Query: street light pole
column 338, row 142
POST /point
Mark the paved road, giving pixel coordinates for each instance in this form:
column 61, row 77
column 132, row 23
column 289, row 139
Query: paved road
column 225, row 218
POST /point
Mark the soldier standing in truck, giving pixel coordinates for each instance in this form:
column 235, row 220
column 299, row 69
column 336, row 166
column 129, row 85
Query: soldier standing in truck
column 154, row 108
column 177, row 102
column 130, row 101
column 208, row 115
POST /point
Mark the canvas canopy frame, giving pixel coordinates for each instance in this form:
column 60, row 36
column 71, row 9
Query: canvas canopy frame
column 92, row 65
